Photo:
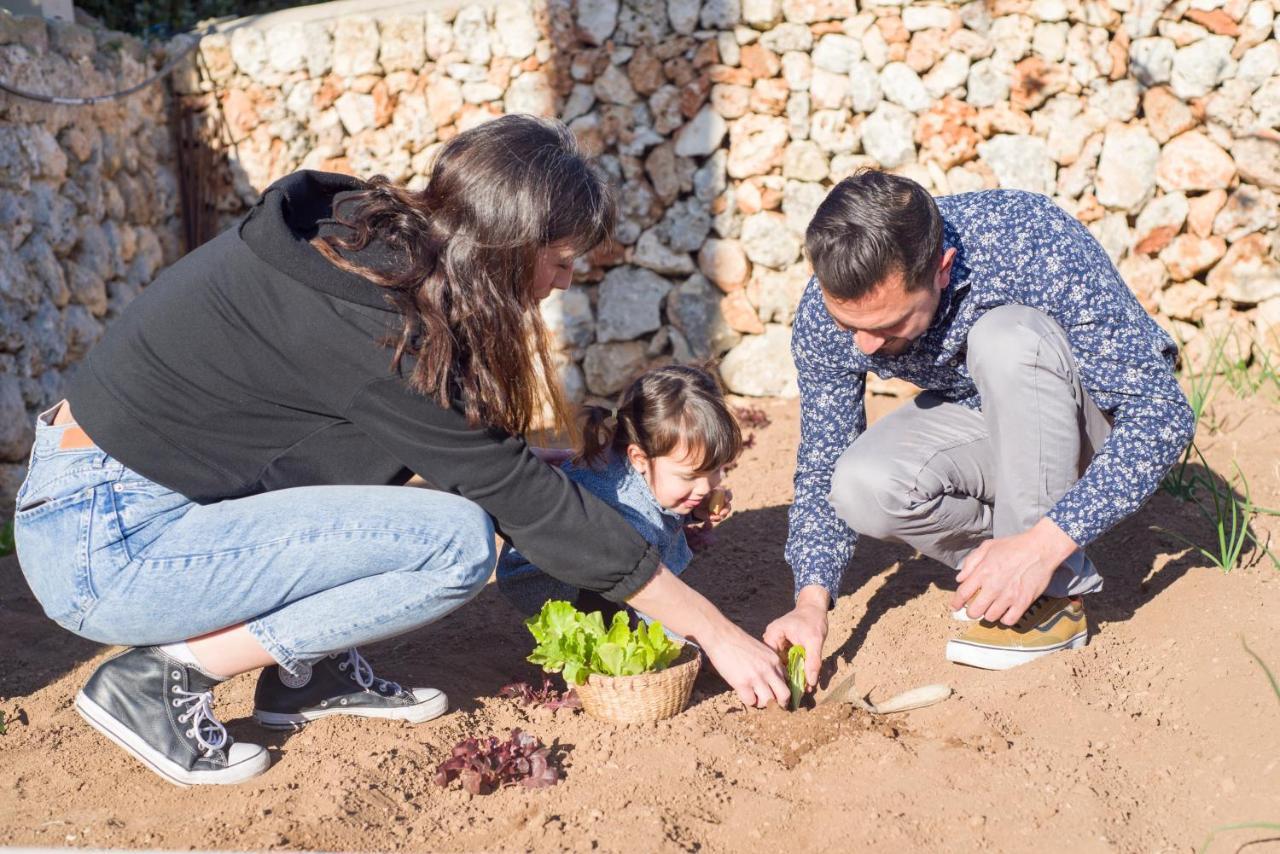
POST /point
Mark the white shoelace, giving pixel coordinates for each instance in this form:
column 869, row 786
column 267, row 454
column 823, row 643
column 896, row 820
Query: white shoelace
column 206, row 729
column 362, row 672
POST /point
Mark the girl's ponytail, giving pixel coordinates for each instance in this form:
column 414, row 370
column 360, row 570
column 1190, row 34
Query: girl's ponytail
column 599, row 429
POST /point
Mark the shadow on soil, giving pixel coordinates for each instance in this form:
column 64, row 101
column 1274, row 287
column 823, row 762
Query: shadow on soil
column 473, row 652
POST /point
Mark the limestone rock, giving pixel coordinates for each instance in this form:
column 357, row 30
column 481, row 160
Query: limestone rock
column 1248, row 209
column 1198, row 68
column 652, row 253
column 1188, row 255
column 888, row 134
column 832, row 131
column 756, row 145
column 800, row 201
column 614, row 87
column 403, row 44
column 768, row 241
column 694, row 310
column 1258, row 160
column 903, row 86
column 725, row 263
column 1166, row 114
column 776, row 295
column 740, row 314
column 1020, row 162
column 1186, row 300
column 864, row 87
column 1159, row 222
column 597, row 19
column 1126, row 176
column 532, row 93
column 836, row 53
column 610, row 367
column 702, row 135
column 355, row 46
column 630, row 304
column 515, row 30
column 804, row 160
column 761, row 365
column 1191, row 161
column 762, row 14
column 1151, row 60
column 1202, row 209
column 720, row 14
column 949, row 74
column 1247, row 274
column 1146, row 277
column 989, row 83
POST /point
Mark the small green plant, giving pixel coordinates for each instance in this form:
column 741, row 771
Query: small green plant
column 795, row 674
column 1248, row 825
column 4, row 725
column 578, row 644
column 1231, row 516
column 6, row 538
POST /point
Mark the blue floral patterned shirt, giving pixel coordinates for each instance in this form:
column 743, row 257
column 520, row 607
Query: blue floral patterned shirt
column 1017, row 248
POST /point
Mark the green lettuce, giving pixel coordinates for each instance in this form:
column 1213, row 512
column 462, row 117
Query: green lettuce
column 576, row 644
column 795, row 674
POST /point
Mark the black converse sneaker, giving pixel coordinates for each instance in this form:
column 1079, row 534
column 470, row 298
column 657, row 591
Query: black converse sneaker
column 341, row 684
column 161, row 712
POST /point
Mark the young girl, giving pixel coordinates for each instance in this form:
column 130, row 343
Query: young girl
column 657, row 459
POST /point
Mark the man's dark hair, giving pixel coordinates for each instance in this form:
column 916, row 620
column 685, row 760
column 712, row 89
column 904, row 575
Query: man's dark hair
column 870, row 226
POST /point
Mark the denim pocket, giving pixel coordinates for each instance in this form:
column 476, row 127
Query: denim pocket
column 141, row 508
column 50, row 538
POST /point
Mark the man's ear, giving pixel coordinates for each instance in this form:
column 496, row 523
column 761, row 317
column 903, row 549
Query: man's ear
column 943, row 276
column 639, row 459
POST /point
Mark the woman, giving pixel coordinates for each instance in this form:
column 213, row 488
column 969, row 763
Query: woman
column 220, row 491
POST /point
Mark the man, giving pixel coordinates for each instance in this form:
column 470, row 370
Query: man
column 1050, row 410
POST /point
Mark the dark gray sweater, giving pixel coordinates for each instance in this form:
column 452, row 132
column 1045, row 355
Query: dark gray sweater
column 253, row 364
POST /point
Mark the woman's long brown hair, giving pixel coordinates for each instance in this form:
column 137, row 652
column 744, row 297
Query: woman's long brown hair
column 465, row 250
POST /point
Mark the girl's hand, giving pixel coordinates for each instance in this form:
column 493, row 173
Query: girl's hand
column 716, row 507
column 699, row 536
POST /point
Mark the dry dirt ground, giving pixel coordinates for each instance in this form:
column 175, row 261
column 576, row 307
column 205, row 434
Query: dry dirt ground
column 1161, row 729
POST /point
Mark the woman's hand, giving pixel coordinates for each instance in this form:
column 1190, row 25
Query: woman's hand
column 751, row 668
column 806, row 626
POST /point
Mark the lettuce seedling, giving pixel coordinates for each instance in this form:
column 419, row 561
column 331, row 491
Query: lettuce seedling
column 483, row 765
column 577, row 644
column 795, row 674
column 546, row 697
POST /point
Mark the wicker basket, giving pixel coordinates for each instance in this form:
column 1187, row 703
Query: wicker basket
column 644, row 698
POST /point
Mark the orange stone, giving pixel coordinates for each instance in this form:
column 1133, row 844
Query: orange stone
column 758, row 61
column 740, row 314
column 1217, row 21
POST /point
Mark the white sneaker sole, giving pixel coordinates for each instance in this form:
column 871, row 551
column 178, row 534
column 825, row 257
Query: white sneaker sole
column 105, row 723
column 415, row 714
column 1004, row 658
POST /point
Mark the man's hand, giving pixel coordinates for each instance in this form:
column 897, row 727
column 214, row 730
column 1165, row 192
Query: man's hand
column 804, row 625
column 1002, row 577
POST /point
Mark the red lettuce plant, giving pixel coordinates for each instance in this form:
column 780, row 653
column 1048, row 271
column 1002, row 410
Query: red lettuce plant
column 483, row 765
column 546, row 697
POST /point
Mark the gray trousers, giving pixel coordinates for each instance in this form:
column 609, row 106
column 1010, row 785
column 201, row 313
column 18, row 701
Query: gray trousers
column 942, row 478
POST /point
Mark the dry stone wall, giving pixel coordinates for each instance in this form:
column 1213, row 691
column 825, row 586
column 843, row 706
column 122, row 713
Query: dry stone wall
column 88, row 210
column 724, row 123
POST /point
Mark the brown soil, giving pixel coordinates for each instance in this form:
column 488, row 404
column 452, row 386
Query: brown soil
column 1161, row 729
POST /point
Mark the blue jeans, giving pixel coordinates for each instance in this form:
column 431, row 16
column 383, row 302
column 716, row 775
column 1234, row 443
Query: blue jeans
column 120, row 559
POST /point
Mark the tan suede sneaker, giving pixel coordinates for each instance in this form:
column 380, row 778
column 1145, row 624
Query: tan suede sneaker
column 1048, row 625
